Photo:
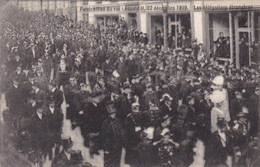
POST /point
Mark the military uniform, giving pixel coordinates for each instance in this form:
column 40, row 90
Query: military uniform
column 167, row 154
column 151, row 117
column 133, row 121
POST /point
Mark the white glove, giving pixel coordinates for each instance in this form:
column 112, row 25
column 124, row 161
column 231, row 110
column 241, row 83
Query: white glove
column 81, row 112
column 138, row 128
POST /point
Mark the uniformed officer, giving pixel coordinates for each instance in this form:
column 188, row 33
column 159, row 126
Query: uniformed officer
column 167, row 150
column 133, row 127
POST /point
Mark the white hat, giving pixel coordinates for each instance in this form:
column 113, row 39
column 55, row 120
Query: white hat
column 217, row 97
column 218, row 80
column 149, row 131
column 115, row 74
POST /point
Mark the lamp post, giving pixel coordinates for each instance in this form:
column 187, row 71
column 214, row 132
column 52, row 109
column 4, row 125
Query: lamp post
column 165, row 4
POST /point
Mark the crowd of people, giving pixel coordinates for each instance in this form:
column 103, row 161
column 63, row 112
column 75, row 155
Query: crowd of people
column 123, row 92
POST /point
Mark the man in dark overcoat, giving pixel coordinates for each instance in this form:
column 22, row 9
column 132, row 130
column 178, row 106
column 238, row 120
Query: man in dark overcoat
column 54, row 118
column 39, row 130
column 113, row 139
column 220, row 147
column 254, row 110
column 14, row 100
column 71, row 91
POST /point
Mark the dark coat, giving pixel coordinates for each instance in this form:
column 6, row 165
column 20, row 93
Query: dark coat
column 40, row 96
column 71, row 99
column 235, row 108
column 146, row 155
column 90, row 64
column 21, row 77
column 112, row 134
column 122, row 70
column 39, row 132
column 107, row 68
column 56, row 96
column 26, row 89
column 216, row 154
column 61, row 160
column 254, row 110
column 150, row 96
column 14, row 99
column 54, row 125
column 138, row 89
column 63, row 76
column 32, row 56
column 133, row 120
column 132, row 68
column 100, row 55
column 94, row 117
column 168, row 111
column 125, row 108
column 47, row 66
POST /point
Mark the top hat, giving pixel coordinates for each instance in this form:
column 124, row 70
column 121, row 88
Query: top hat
column 67, row 142
column 221, row 123
column 53, row 83
column 76, row 157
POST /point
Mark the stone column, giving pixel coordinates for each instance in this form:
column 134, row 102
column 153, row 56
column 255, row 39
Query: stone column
column 144, row 20
column 79, row 6
column 91, row 16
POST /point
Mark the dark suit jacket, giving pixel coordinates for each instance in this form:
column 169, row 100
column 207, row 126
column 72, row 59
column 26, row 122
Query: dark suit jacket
column 54, row 124
column 112, row 135
column 30, row 57
column 14, row 99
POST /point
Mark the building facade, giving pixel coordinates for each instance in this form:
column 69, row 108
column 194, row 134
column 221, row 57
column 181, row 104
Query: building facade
column 204, row 20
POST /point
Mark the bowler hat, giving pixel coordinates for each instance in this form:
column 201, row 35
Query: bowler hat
column 39, row 104
column 67, row 142
column 221, row 123
column 53, row 83
column 76, row 157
